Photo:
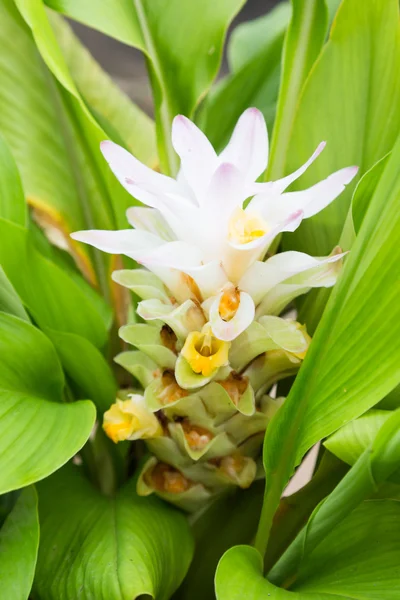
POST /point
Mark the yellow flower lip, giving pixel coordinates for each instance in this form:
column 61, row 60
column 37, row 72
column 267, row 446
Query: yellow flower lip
column 204, row 352
column 245, row 227
column 130, row 420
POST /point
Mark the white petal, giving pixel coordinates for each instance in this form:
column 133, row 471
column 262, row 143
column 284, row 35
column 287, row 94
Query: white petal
column 274, row 188
column 198, row 157
column 248, row 146
column 153, row 189
column 229, row 330
column 172, row 262
column 130, row 242
column 210, row 278
column 182, row 318
column 224, row 194
column 174, row 255
column 317, row 197
column 263, row 276
column 131, row 172
column 149, row 219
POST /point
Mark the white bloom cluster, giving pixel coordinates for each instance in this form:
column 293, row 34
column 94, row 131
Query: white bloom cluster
column 212, row 293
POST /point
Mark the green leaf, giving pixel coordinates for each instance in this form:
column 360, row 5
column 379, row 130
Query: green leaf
column 19, row 540
column 365, row 190
column 182, row 40
column 356, row 560
column 304, row 39
column 39, row 432
column 34, row 122
column 313, row 304
column 9, row 300
column 391, row 401
column 255, row 58
column 12, row 200
column 379, row 461
column 55, row 142
column 86, row 367
column 336, row 382
column 122, row 120
column 51, row 296
column 117, row 19
column 350, row 441
column 353, row 105
column 250, row 39
column 107, row 548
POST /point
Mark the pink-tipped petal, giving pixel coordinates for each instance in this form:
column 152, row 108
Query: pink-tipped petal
column 198, row 157
column 314, row 199
column 248, row 146
column 224, row 193
column 132, row 174
column 274, row 188
column 280, row 185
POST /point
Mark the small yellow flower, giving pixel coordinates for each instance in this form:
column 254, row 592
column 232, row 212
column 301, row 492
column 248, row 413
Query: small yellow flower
column 130, row 420
column 245, row 227
column 204, row 352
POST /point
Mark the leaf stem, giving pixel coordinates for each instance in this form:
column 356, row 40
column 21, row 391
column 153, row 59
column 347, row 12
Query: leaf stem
column 164, row 115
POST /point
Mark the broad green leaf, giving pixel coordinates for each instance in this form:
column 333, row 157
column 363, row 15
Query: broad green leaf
column 9, row 300
column 89, row 133
column 122, row 120
column 86, row 367
column 392, row 400
column 55, row 142
column 311, row 306
column 34, row 122
column 336, row 382
column 51, row 296
column 39, row 432
column 255, row 58
column 117, row 19
column 19, row 540
column 378, row 461
column 107, row 548
column 356, row 560
column 350, row 441
column 303, row 42
column 353, row 105
column 295, row 510
column 182, row 41
column 364, row 191
column 12, row 200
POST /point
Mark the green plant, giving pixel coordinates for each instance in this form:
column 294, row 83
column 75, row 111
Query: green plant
column 180, row 326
